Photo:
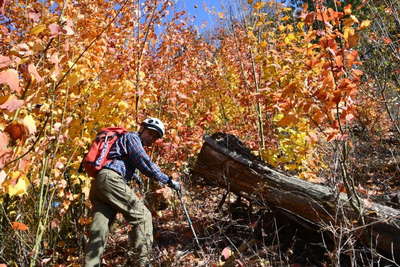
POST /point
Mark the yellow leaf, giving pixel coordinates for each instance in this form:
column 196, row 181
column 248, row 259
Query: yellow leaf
column 38, row 29
column 259, row 5
column 29, row 123
column 142, row 75
column 365, row 24
column 348, row 31
column 290, row 38
column 354, row 18
column 17, row 185
column 220, row 15
column 123, row 105
column 300, row 25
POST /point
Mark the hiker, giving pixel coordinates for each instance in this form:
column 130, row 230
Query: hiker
column 110, row 194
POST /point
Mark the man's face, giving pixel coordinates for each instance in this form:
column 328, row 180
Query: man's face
column 148, row 137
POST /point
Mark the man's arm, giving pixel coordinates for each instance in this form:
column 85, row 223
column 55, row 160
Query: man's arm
column 142, row 161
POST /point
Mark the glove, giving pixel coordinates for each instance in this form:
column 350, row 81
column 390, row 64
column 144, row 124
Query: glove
column 174, row 185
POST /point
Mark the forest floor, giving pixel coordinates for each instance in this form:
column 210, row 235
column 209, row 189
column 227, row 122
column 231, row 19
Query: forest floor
column 235, row 233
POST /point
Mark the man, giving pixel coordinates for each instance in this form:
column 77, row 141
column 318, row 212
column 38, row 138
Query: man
column 110, row 193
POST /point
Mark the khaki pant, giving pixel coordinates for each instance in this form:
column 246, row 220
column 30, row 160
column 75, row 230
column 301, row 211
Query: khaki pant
column 110, row 194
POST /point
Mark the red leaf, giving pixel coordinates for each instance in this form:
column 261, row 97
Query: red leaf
column 387, row 40
column 309, row 19
column 16, row 131
column 333, row 135
column 10, row 77
column 19, row 226
column 33, row 15
column 54, row 29
column 10, row 103
column 4, row 61
column 5, row 156
column 2, row 6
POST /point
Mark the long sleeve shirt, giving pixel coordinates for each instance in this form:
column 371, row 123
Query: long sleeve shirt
column 128, row 154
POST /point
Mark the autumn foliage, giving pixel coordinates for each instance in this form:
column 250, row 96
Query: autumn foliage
column 283, row 84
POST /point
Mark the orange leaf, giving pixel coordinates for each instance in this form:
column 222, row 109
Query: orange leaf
column 10, row 77
column 287, row 120
column 357, row 72
column 353, row 40
column 350, row 58
column 19, row 226
column 339, row 61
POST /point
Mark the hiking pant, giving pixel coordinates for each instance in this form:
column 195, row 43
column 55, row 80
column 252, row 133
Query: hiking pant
column 110, row 194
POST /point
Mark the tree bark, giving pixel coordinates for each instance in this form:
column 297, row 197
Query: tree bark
column 225, row 162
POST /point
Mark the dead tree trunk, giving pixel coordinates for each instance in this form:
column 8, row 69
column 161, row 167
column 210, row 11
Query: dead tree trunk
column 225, row 162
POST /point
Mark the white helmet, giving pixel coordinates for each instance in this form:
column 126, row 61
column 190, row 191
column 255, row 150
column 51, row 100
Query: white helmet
column 154, row 124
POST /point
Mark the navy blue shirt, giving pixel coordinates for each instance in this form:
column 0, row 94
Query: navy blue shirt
column 128, row 154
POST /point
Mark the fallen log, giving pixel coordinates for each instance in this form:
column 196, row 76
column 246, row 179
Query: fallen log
column 225, row 162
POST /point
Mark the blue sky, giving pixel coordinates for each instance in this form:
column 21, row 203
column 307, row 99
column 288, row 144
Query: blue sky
column 203, row 11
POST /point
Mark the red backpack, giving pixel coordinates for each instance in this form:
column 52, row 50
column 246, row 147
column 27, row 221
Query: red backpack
column 96, row 158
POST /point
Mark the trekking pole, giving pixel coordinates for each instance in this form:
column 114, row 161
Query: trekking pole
column 188, row 218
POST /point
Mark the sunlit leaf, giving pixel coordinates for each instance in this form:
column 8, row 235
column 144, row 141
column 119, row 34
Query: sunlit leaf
column 226, row 253
column 29, row 123
column 33, row 71
column 10, row 77
column 4, row 61
column 10, row 103
column 54, row 29
column 365, row 24
column 259, row 5
column 3, row 176
column 347, row 10
column 17, row 184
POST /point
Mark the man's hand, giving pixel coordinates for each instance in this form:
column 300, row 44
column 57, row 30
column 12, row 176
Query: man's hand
column 174, row 185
